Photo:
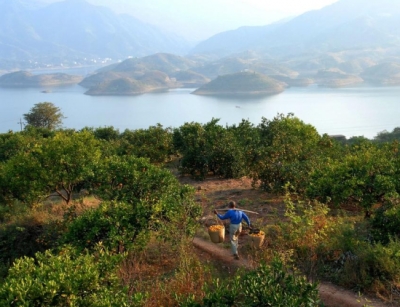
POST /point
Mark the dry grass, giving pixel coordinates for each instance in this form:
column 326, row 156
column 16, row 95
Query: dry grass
column 216, row 193
column 162, row 272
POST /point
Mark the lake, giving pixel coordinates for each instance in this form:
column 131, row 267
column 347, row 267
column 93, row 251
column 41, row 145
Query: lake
column 347, row 111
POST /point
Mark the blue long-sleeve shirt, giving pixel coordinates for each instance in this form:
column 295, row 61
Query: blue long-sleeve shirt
column 236, row 216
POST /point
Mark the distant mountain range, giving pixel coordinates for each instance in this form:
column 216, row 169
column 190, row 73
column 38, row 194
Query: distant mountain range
column 344, row 25
column 345, row 44
column 75, row 29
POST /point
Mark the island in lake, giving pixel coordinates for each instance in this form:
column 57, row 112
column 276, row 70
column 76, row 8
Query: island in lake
column 27, row 79
column 120, row 84
column 242, row 83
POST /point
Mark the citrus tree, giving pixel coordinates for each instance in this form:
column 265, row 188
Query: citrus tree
column 267, row 285
column 190, row 141
column 65, row 279
column 61, row 165
column 154, row 143
column 248, row 141
column 366, row 175
column 208, row 148
column 287, row 152
column 12, row 143
column 224, row 157
column 138, row 198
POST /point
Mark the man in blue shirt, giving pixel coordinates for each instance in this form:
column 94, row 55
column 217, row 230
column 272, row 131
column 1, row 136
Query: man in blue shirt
column 235, row 216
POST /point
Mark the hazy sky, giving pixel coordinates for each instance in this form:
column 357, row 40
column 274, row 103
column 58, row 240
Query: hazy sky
column 200, row 19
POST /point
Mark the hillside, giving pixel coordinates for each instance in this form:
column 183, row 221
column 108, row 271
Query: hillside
column 346, row 24
column 234, row 41
column 336, row 78
column 189, row 72
column 234, row 64
column 156, row 72
column 139, row 197
column 242, row 83
column 121, row 86
column 101, row 77
column 165, row 62
column 190, row 78
column 383, row 74
column 151, row 81
column 74, row 30
column 27, row 79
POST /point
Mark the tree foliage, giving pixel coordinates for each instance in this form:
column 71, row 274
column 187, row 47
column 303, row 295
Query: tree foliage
column 366, row 175
column 287, row 152
column 64, row 279
column 154, row 143
column 208, row 148
column 138, row 197
column 268, row 285
column 385, row 221
column 60, row 165
column 44, row 115
column 386, row 136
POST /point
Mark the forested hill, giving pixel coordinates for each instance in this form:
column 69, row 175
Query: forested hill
column 75, row 28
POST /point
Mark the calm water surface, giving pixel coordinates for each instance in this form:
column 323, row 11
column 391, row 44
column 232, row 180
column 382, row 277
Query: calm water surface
column 348, row 111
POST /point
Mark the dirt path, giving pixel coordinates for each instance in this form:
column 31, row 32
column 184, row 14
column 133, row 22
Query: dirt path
column 215, row 193
column 331, row 296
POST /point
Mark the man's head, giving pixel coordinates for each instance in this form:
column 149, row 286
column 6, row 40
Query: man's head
column 232, row 204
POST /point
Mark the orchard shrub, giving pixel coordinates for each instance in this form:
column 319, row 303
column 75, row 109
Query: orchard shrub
column 61, row 165
column 154, row 143
column 385, row 221
column 366, row 175
column 209, row 148
column 116, row 225
column 138, row 197
column 65, row 279
column 268, row 285
column 287, row 153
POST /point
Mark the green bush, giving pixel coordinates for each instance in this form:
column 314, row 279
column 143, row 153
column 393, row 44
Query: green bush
column 61, row 165
column 12, row 143
column 116, row 225
column 370, row 267
column 287, row 153
column 190, row 141
column 25, row 238
column 154, row 143
column 268, row 285
column 139, row 197
column 366, row 175
column 209, row 148
column 65, row 279
column 385, row 221
column 132, row 180
column 387, row 262
column 106, row 133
